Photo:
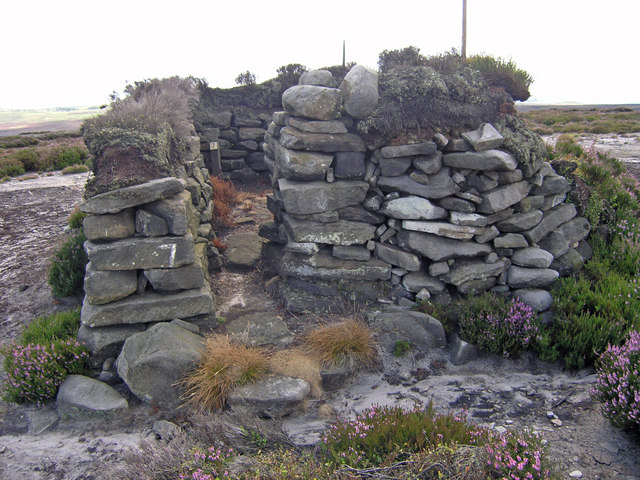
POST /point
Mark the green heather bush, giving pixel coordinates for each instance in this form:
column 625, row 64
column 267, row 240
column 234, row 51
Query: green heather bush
column 10, row 167
column 17, row 141
column 567, row 145
column 62, row 157
column 71, row 169
column 35, row 371
column 76, row 218
column 29, row 157
column 504, row 74
column 66, row 273
column 618, row 383
column 59, row 326
column 383, row 436
column 598, row 306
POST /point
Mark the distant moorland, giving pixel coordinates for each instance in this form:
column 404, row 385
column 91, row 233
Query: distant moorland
column 15, row 122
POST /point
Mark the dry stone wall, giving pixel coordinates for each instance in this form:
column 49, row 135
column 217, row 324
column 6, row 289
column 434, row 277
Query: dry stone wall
column 239, row 135
column 149, row 256
column 429, row 218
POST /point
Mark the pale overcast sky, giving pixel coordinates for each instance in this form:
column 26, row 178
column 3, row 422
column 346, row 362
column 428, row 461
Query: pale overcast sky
column 73, row 53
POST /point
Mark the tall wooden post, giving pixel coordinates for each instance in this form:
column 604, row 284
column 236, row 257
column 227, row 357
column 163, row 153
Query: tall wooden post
column 464, row 29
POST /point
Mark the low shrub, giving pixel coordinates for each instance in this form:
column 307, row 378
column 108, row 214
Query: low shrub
column 76, row 218
column 400, row 348
column 5, row 179
column 594, row 308
column 59, row 326
column 223, row 367
column 503, row 326
column 11, row 167
column 29, row 157
column 71, row 169
column 17, row 141
column 34, row 371
column 66, row 273
column 385, row 436
column 567, row 145
column 347, row 342
column 207, row 464
column 62, row 157
column 618, row 383
column 504, row 74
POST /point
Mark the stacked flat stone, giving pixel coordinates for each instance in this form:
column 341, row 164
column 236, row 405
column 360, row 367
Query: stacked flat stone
column 239, row 134
column 430, row 217
column 148, row 248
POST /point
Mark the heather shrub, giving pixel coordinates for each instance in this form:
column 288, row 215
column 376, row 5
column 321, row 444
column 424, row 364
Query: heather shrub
column 498, row 325
column 66, row 272
column 11, row 167
column 618, row 383
column 71, row 169
column 207, row 464
column 392, row 437
column 17, row 141
column 59, row 326
column 594, row 308
column 76, row 218
column 28, row 157
column 246, row 78
column 504, row 74
column 63, row 157
column 567, row 145
column 34, row 371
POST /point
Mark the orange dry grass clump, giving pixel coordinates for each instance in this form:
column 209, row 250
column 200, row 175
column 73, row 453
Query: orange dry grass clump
column 223, row 367
column 224, row 197
column 347, row 342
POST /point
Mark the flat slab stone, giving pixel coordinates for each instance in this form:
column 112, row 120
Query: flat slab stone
column 110, row 226
column 300, row 165
column 550, row 221
column 244, row 249
column 398, row 257
column 412, row 208
column 342, row 232
column 108, row 286
column 484, row 138
column 321, row 78
column 520, row 221
column 154, row 362
column 140, row 253
column 469, row 219
column 181, row 278
column 117, row 200
column 80, row 396
column 323, row 266
column 443, row 229
column 473, row 270
column 351, row 252
column 259, row 330
column 316, row 197
column 532, row 257
column 148, row 307
column 317, row 126
column 271, row 398
column 394, row 167
column 489, row 160
column 503, row 197
column 520, row 277
column 295, row 139
column 422, row 331
column 312, row 101
column 150, row 225
column 416, row 281
column 349, row 165
column 438, row 188
column 428, row 164
column 424, row 148
column 439, row 248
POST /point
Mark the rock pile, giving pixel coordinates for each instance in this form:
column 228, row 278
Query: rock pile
column 239, row 136
column 427, row 218
column 149, row 256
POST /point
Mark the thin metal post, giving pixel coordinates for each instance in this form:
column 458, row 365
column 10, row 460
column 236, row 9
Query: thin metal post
column 464, row 30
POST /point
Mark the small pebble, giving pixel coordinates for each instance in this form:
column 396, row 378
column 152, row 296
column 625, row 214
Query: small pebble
column 550, row 414
column 509, row 422
column 576, row 474
column 556, row 422
column 500, row 429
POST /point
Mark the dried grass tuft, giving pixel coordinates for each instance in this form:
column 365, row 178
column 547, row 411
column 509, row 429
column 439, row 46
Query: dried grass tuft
column 298, row 364
column 224, row 197
column 349, row 341
column 224, row 366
